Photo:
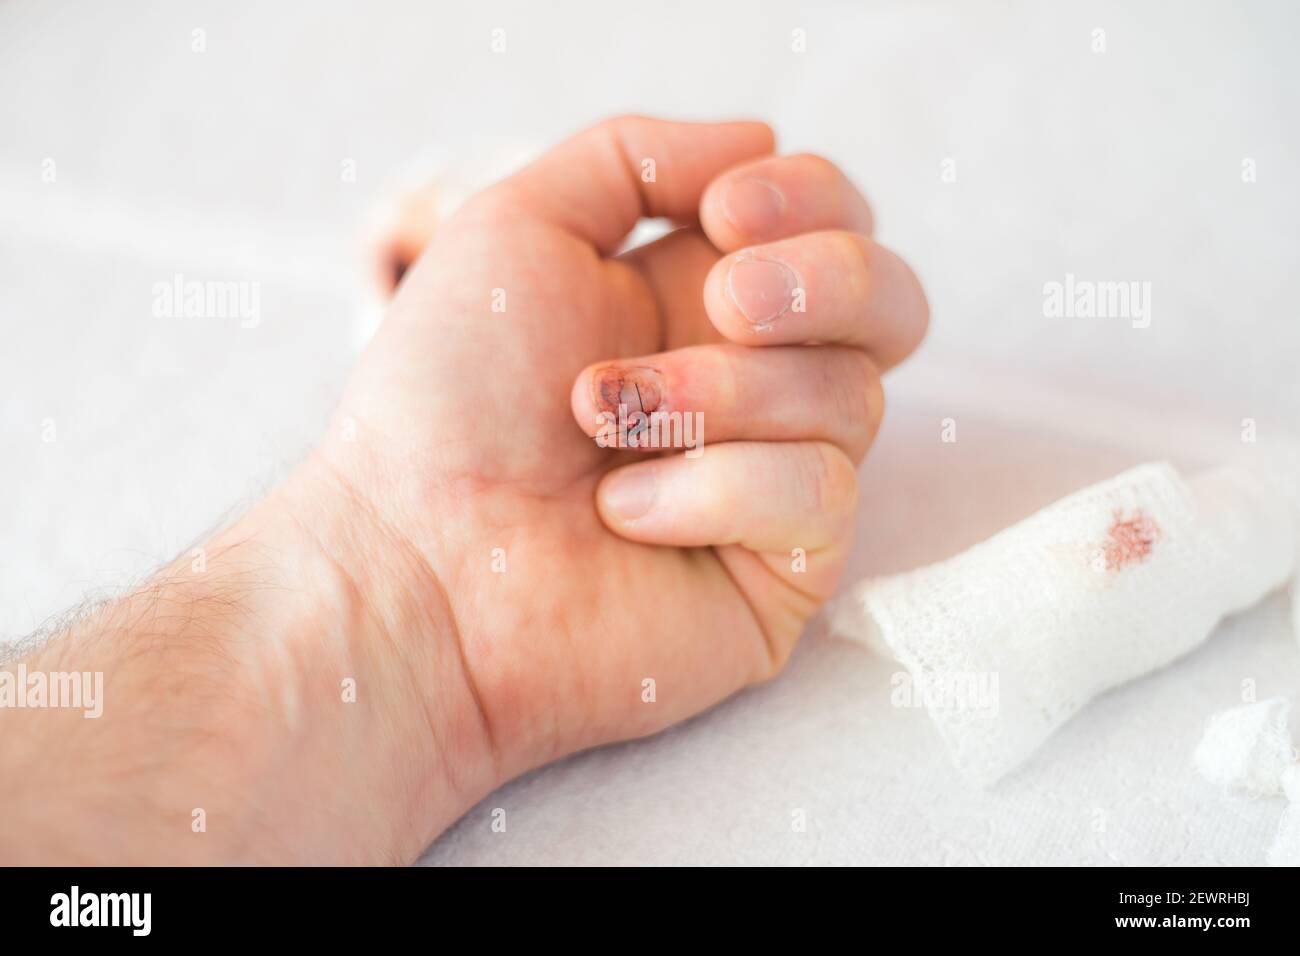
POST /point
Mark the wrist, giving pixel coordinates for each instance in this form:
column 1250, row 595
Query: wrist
column 289, row 692
column 379, row 692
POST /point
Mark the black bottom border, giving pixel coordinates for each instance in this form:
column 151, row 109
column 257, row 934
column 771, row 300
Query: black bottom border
column 336, row 906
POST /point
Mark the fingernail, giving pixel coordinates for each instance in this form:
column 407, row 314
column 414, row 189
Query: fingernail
column 762, row 289
column 638, row 387
column 753, row 206
column 630, row 492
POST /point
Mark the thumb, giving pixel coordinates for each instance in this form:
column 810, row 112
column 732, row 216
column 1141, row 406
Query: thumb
column 598, row 183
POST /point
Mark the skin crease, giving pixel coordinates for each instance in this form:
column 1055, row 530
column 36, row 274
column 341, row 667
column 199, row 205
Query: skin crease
column 453, row 547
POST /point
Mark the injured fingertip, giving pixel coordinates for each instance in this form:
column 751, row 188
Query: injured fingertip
column 635, row 388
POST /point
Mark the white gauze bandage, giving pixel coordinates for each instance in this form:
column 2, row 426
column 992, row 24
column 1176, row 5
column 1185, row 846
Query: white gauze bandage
column 1009, row 639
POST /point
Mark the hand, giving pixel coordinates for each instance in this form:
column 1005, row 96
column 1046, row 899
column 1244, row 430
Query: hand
column 571, row 574
column 460, row 584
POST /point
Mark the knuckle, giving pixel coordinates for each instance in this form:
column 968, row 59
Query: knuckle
column 873, row 395
column 857, row 252
column 856, row 396
column 818, row 165
column 853, row 259
column 923, row 304
column 860, row 259
column 832, row 480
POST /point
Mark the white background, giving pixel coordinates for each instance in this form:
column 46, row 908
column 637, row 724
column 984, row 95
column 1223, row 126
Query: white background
column 1122, row 165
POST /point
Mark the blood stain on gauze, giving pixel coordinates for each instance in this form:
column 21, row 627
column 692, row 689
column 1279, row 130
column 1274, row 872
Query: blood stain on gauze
column 1247, row 748
column 1101, row 587
column 1129, row 540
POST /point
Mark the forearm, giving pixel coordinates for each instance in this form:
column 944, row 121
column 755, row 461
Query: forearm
column 276, row 697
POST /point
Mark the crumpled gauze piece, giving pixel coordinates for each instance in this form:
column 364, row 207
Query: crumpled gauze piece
column 1010, row 638
column 1247, row 748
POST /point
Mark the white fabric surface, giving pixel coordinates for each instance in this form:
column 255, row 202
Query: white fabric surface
column 1124, row 165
